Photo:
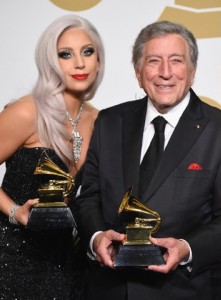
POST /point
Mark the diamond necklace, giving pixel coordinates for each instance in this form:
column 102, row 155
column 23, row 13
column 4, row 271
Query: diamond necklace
column 76, row 137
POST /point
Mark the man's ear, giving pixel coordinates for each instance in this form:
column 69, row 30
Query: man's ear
column 137, row 72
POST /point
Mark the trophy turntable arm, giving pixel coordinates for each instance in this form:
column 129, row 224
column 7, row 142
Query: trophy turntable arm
column 69, row 185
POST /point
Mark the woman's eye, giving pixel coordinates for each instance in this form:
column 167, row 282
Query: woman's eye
column 88, row 51
column 64, row 54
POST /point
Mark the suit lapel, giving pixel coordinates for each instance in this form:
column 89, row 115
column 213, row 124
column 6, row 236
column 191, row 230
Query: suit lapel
column 133, row 126
column 190, row 126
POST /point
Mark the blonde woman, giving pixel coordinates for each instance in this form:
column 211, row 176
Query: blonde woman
column 56, row 120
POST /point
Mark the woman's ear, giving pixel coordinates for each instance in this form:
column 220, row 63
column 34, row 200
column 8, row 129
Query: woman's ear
column 98, row 65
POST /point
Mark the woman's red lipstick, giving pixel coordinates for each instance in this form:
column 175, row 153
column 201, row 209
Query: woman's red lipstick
column 80, row 76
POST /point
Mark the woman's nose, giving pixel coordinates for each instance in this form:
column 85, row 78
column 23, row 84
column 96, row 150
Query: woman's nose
column 79, row 62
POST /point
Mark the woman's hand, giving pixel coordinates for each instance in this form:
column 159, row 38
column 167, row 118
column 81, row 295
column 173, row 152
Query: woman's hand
column 22, row 213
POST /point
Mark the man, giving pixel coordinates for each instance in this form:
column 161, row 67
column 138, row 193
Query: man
column 185, row 188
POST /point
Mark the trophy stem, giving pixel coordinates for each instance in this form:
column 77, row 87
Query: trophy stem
column 50, row 204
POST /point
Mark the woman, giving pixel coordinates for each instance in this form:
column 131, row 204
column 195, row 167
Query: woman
column 53, row 121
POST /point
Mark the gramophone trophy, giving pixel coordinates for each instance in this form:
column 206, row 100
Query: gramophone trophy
column 51, row 212
column 141, row 222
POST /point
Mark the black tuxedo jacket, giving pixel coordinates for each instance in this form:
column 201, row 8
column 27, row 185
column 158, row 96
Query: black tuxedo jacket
column 185, row 191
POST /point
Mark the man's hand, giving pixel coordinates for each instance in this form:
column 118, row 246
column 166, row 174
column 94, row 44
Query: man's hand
column 104, row 247
column 176, row 252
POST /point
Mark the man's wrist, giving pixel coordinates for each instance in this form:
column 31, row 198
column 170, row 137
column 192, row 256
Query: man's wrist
column 189, row 259
column 91, row 253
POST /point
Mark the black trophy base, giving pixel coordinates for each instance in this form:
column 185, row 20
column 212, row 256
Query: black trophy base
column 139, row 256
column 45, row 218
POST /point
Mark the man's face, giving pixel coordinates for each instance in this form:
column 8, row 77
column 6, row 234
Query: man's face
column 165, row 71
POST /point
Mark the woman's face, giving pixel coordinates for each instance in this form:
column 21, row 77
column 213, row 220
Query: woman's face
column 78, row 59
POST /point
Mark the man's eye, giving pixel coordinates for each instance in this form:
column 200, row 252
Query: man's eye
column 177, row 60
column 64, row 54
column 152, row 61
column 88, row 51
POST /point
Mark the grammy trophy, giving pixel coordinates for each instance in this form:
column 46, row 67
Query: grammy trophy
column 140, row 222
column 51, row 212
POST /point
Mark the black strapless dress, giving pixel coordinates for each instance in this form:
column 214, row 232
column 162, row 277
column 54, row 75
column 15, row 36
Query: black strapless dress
column 36, row 265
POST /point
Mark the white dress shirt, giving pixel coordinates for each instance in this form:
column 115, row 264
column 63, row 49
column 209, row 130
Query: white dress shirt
column 172, row 117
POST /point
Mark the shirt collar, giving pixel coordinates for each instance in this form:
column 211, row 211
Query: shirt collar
column 172, row 116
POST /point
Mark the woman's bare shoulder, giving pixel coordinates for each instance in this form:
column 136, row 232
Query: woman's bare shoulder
column 23, row 107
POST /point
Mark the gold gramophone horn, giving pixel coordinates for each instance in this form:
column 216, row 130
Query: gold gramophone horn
column 131, row 204
column 47, row 167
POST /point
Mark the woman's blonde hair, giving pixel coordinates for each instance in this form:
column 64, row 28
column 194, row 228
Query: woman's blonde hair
column 48, row 91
